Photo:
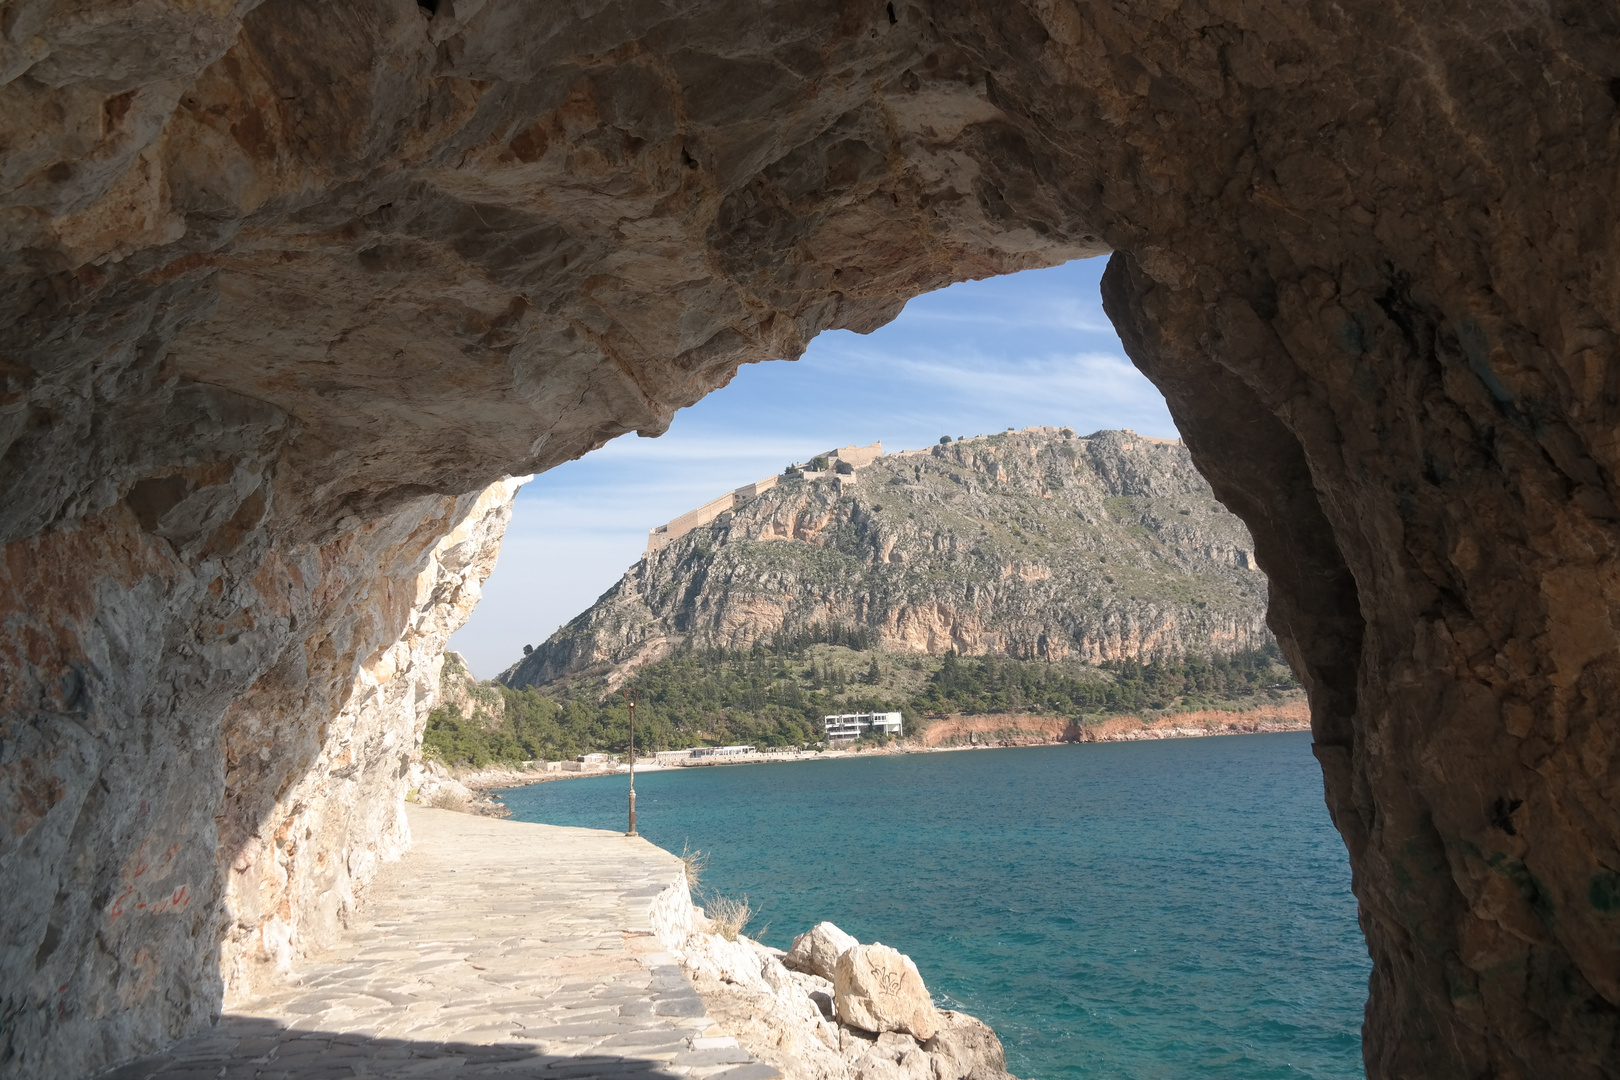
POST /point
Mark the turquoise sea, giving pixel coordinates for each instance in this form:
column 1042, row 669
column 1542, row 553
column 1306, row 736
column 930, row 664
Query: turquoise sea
column 1147, row 910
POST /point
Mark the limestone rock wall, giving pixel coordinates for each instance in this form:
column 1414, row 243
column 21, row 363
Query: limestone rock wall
column 461, row 691
column 159, row 774
column 291, row 884
column 282, row 283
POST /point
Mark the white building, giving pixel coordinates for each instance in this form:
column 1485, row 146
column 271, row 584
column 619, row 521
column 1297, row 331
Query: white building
column 721, row 751
column 854, row 725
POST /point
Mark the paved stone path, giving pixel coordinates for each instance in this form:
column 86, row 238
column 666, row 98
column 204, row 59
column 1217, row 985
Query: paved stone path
column 494, row 949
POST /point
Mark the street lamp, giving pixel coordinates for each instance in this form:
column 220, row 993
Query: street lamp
column 630, row 700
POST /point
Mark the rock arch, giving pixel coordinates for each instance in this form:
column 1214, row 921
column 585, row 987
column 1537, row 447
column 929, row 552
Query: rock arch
column 287, row 284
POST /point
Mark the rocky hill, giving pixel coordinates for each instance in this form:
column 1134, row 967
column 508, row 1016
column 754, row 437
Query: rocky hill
column 1032, row 544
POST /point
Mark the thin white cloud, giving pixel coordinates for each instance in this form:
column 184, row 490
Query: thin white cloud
column 1059, row 316
column 598, row 501
column 1088, row 389
column 707, row 447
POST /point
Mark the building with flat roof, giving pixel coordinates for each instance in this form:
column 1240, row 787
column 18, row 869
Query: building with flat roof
column 849, row 726
column 721, row 751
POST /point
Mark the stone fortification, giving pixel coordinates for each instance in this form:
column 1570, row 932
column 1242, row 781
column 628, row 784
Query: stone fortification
column 850, row 457
column 857, row 456
column 664, row 535
column 282, row 283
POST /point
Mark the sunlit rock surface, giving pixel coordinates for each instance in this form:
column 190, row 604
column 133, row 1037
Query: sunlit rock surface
column 192, row 853
column 879, row 1023
column 1038, row 544
column 283, row 287
column 291, row 882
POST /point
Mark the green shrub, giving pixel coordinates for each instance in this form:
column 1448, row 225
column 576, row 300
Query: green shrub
column 776, row 694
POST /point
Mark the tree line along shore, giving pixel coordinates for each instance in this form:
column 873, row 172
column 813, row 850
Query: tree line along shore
column 776, row 697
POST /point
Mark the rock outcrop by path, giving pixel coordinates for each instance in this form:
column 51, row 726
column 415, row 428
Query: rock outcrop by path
column 491, row 949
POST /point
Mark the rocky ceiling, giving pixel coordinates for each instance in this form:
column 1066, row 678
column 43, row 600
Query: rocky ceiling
column 286, row 284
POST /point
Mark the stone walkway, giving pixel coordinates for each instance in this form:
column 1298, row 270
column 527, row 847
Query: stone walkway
column 493, row 949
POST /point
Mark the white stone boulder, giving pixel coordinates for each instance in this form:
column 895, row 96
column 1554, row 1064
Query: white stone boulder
column 737, row 962
column 876, row 988
column 431, row 784
column 966, row 1048
column 816, row 951
column 891, row 1056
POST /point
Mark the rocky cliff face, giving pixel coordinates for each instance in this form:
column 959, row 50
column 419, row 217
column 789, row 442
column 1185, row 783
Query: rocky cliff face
column 238, row 845
column 1033, row 544
column 291, row 884
column 281, row 282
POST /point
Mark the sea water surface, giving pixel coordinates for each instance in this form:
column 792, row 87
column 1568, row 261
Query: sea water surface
column 1149, row 910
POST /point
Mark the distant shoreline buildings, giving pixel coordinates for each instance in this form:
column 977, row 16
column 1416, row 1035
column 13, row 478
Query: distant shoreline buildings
column 852, row 726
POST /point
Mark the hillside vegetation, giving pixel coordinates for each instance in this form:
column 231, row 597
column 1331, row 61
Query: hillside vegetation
column 777, row 697
column 1031, row 572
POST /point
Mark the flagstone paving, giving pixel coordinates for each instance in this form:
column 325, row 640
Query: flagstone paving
column 494, row 949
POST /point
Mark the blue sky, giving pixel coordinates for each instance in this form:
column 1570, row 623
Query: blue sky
column 978, row 357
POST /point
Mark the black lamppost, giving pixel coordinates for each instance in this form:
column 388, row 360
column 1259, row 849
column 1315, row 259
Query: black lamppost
column 630, row 700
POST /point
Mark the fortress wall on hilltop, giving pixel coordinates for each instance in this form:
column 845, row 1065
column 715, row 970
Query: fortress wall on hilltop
column 758, row 487
column 858, row 456
column 664, row 535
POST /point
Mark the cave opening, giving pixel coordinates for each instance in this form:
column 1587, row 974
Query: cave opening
column 978, row 359
column 292, row 288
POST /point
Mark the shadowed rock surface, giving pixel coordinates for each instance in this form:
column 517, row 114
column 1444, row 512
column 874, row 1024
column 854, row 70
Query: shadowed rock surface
column 283, row 286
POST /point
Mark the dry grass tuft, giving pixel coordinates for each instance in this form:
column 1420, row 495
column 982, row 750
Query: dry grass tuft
column 728, row 917
column 695, row 862
column 448, row 798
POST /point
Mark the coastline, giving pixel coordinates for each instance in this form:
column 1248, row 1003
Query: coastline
column 1012, row 729
column 765, row 833
column 952, row 734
